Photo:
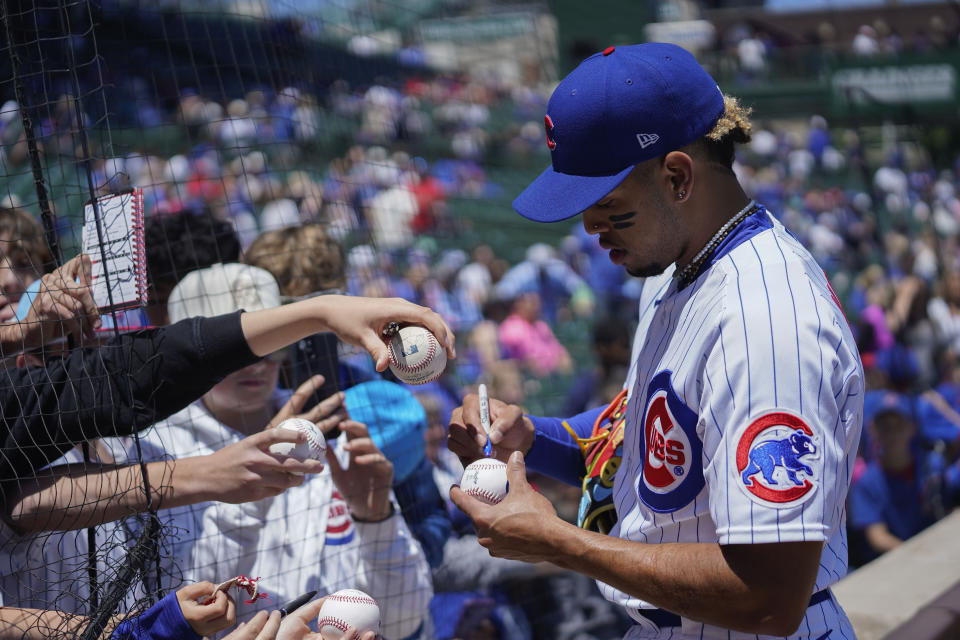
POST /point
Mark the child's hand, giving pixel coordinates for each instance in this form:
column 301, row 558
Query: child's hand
column 217, row 614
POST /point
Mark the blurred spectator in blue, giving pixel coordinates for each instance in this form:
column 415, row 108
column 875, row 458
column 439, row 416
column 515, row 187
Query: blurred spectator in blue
column 902, row 489
column 938, row 409
column 944, row 311
column 556, row 282
column 598, row 386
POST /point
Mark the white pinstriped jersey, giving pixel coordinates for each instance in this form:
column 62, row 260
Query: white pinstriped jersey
column 744, row 418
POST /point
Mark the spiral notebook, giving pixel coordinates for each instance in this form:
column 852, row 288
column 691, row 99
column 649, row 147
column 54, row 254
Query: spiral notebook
column 116, row 250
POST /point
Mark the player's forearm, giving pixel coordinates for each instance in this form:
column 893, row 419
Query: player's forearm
column 76, row 496
column 752, row 588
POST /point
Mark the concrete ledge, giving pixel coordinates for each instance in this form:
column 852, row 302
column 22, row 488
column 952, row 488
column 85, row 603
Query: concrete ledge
column 891, row 590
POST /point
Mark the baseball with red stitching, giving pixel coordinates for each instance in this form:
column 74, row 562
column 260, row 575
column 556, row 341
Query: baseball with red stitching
column 485, row 479
column 416, row 356
column 348, row 608
column 313, row 449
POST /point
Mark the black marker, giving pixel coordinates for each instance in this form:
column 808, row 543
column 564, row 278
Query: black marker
column 296, row 603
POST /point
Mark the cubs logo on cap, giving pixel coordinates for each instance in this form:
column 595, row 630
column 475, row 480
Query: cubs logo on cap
column 672, row 470
column 777, row 457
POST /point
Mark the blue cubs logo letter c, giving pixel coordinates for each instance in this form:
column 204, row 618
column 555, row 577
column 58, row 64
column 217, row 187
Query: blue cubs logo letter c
column 548, row 125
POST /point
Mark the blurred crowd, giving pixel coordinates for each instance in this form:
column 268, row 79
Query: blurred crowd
column 751, row 54
column 371, row 220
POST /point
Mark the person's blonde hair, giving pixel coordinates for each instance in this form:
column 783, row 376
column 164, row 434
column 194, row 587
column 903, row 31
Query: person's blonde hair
column 735, row 122
column 303, row 259
column 733, row 127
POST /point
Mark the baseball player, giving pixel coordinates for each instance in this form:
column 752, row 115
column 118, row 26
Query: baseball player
column 714, row 507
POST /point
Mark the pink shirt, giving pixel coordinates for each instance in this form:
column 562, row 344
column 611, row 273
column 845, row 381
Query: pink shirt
column 534, row 344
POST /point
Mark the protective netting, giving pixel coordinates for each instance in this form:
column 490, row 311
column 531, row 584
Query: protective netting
column 370, row 148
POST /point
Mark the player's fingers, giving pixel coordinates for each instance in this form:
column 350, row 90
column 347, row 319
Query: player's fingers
column 503, row 418
column 468, row 504
column 470, row 418
column 516, row 471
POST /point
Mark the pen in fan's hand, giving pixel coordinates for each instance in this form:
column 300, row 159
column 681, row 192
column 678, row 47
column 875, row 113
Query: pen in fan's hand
column 485, row 418
column 296, row 603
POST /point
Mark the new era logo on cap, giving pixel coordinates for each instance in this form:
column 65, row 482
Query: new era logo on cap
column 647, row 139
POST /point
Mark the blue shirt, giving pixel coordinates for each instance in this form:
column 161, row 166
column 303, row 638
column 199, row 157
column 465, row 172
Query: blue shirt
column 162, row 621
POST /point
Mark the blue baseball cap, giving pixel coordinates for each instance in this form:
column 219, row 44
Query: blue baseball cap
column 396, row 421
column 618, row 108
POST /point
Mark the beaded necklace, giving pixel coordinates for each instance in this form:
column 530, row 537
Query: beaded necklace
column 689, row 273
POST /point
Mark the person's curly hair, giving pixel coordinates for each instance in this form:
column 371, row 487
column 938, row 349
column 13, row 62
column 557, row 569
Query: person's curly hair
column 733, row 127
column 304, row 259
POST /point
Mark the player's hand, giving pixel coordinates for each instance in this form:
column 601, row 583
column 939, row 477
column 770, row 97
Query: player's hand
column 360, row 321
column 63, row 306
column 209, row 618
column 510, row 430
column 326, row 414
column 365, row 483
column 245, row 471
column 520, row 526
column 294, row 626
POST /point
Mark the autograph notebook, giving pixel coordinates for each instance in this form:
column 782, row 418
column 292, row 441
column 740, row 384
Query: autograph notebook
column 113, row 238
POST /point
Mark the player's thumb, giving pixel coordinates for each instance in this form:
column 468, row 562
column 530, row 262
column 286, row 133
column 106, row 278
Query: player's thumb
column 516, row 470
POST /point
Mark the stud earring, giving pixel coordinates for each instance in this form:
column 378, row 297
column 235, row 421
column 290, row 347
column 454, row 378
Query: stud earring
column 682, row 194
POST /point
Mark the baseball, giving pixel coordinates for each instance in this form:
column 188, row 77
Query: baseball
column 486, row 480
column 312, row 449
column 348, row 608
column 416, row 356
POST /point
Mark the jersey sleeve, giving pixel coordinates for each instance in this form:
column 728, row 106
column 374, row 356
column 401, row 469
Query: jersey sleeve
column 781, row 408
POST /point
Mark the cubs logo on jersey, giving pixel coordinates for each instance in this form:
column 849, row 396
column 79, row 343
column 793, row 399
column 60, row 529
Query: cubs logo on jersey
column 775, row 455
column 672, row 472
column 340, row 527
